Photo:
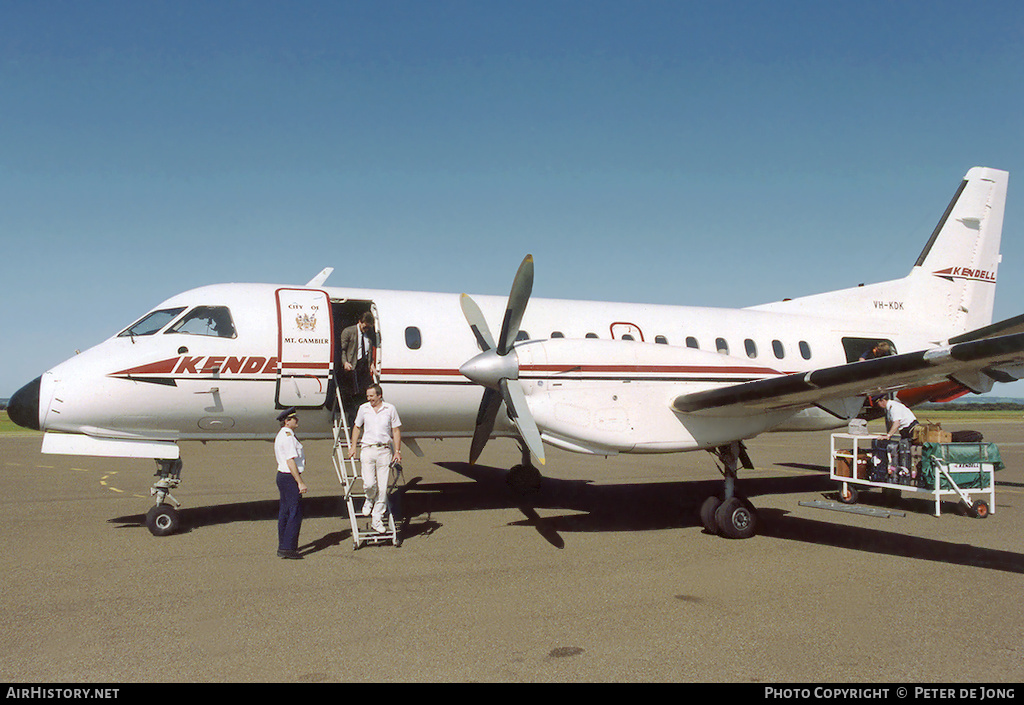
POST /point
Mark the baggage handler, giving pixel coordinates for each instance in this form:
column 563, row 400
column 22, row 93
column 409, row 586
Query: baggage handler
column 899, row 419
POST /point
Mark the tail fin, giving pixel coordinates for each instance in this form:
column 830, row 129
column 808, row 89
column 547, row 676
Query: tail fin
column 957, row 268
column 951, row 288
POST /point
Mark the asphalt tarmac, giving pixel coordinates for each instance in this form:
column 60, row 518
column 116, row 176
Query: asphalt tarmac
column 604, row 575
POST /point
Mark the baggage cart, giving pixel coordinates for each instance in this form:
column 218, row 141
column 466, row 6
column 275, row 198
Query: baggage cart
column 940, row 470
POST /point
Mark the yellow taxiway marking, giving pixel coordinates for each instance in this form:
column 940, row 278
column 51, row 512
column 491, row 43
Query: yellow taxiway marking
column 103, row 481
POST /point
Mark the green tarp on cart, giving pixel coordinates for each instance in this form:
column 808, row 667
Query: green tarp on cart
column 959, row 459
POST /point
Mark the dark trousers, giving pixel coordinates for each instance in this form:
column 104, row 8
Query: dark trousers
column 289, row 515
column 908, row 432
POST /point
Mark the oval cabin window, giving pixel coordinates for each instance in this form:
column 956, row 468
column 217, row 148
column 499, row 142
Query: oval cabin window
column 413, row 339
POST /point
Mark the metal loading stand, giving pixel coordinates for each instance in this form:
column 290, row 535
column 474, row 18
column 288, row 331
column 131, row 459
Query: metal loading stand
column 349, row 476
column 941, row 470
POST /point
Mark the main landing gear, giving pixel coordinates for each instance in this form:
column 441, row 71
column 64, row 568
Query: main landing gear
column 524, row 478
column 731, row 516
column 163, row 519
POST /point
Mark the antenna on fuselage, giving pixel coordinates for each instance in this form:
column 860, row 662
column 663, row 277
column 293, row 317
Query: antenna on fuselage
column 320, row 278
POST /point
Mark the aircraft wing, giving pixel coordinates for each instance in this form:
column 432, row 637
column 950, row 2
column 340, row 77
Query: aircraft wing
column 1000, row 357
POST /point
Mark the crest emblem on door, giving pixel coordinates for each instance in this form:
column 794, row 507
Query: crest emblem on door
column 304, row 322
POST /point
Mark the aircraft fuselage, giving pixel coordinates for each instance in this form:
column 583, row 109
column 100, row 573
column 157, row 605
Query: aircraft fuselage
column 172, row 385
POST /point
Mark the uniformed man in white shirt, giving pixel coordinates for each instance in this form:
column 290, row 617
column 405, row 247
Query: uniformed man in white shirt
column 377, row 429
column 291, row 461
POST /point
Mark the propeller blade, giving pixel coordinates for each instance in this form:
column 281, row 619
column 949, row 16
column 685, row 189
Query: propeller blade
column 519, row 411
column 495, row 366
column 490, row 404
column 522, row 287
column 477, row 323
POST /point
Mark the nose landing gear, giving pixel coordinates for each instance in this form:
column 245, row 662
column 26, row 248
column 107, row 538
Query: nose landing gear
column 163, row 519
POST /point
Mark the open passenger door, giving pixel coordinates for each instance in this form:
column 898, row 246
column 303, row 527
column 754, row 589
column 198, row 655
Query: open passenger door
column 305, row 335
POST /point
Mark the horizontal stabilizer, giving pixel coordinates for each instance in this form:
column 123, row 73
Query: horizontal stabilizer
column 1010, row 325
column 804, row 389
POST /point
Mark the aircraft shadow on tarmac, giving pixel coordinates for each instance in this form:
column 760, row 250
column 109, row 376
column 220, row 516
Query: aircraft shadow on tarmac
column 193, row 518
column 617, row 507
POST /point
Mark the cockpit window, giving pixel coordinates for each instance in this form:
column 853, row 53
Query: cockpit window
column 151, row 322
column 206, row 320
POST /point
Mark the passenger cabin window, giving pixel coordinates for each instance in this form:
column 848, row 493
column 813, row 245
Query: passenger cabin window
column 591, row 335
column 778, row 349
column 206, row 320
column 413, row 338
column 691, row 342
column 522, row 335
column 751, row 347
column 557, row 334
column 805, row 350
column 151, row 322
column 661, row 340
column 722, row 346
column 627, row 336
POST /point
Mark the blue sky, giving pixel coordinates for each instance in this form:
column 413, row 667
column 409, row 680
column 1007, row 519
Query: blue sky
column 721, row 152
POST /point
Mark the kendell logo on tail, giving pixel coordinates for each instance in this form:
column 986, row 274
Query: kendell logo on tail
column 977, row 275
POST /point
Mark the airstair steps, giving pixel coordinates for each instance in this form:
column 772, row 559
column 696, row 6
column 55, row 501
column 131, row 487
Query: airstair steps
column 351, row 481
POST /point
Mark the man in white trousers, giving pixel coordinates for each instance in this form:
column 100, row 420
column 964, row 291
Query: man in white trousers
column 378, row 427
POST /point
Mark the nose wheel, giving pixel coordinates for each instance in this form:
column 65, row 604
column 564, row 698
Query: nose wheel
column 163, row 519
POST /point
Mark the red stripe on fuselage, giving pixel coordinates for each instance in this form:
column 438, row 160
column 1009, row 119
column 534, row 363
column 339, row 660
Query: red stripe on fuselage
column 598, row 369
column 163, row 367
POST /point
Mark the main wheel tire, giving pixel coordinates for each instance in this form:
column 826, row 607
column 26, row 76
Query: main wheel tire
column 524, row 479
column 707, row 514
column 736, row 519
column 162, row 520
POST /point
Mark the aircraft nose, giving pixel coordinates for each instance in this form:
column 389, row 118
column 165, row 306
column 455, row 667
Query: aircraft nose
column 23, row 408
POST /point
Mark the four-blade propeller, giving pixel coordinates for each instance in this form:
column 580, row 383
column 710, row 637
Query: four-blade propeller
column 496, row 368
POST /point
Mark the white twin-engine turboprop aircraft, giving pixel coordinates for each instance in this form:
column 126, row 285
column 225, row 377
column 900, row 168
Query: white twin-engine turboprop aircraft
column 601, row 378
